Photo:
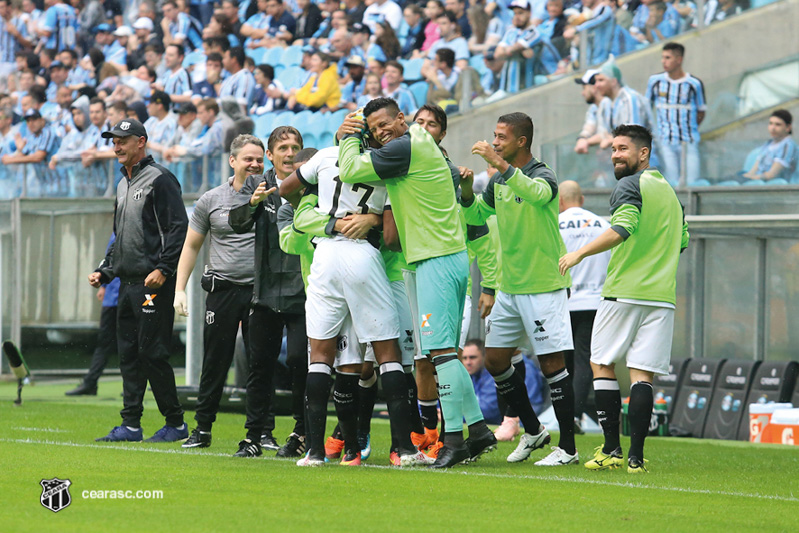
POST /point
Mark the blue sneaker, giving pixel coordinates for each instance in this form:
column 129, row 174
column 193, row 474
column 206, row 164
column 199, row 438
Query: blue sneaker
column 365, row 444
column 122, row 434
column 170, row 434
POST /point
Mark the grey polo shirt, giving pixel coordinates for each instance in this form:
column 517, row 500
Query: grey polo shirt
column 232, row 255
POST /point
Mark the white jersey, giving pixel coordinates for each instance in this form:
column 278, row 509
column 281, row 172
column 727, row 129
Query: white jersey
column 336, row 198
column 578, row 227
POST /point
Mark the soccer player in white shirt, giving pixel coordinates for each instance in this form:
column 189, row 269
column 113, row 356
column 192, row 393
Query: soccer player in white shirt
column 348, row 278
column 578, row 227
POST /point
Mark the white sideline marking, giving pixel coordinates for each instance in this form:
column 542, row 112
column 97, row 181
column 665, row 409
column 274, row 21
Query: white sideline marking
column 46, row 430
column 554, row 478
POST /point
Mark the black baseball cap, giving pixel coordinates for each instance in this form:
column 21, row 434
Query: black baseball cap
column 32, row 114
column 187, row 107
column 126, row 128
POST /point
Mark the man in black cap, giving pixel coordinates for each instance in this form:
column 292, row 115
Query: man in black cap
column 150, row 224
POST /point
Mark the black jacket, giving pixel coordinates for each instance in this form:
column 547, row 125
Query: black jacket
column 278, row 278
column 150, row 224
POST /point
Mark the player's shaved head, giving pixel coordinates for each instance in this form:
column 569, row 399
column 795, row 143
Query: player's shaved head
column 569, row 195
column 304, row 155
column 570, row 191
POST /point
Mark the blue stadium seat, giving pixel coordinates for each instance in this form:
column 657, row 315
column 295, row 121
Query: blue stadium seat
column 325, row 140
column 310, row 140
column 419, row 90
column 282, row 118
column 300, row 118
column 728, row 183
column 751, row 157
column 292, row 56
column 273, row 55
column 761, row 3
column 777, row 181
column 335, row 119
column 413, row 69
column 700, row 183
column 289, row 76
column 278, row 69
column 263, row 125
column 257, row 54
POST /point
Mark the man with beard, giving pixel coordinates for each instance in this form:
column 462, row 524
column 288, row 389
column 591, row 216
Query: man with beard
column 636, row 316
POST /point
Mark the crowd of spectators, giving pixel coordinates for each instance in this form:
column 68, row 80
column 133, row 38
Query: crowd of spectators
column 171, row 63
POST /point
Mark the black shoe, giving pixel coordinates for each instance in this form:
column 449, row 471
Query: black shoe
column 83, row 390
column 449, row 456
column 481, row 444
column 248, row 448
column 294, row 447
column 268, row 442
column 198, row 439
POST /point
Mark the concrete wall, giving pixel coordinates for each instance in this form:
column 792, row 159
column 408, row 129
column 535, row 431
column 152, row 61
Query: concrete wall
column 714, row 54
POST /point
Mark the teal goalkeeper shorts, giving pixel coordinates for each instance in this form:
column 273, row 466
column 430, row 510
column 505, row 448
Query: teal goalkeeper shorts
column 441, row 291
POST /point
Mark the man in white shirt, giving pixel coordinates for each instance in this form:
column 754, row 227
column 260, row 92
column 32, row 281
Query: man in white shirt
column 383, row 11
column 578, row 227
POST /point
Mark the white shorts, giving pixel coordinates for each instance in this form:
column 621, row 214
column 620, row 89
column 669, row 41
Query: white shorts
column 348, row 350
column 466, row 321
column 543, row 319
column 349, row 278
column 642, row 333
column 413, row 303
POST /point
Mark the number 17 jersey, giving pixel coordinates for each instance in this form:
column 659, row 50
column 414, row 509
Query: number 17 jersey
column 338, row 199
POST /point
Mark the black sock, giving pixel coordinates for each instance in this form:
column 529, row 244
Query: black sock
column 639, row 414
column 478, row 429
column 337, row 432
column 521, row 370
column 367, row 396
column 429, row 415
column 317, row 392
column 453, row 439
column 345, row 397
column 413, row 406
column 608, row 407
column 511, row 388
column 561, row 391
column 396, row 392
column 299, row 376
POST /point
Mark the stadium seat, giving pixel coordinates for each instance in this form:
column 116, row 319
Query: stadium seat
column 310, row 140
column 700, row 183
column 257, row 54
column 326, row 140
column 282, row 118
column 334, row 120
column 696, row 392
column 413, row 70
column 272, row 56
column 751, row 157
column 263, row 125
column 292, row 56
column 289, row 77
column 668, row 386
column 728, row 406
column 300, row 118
column 419, row 91
column 773, row 382
column 728, row 183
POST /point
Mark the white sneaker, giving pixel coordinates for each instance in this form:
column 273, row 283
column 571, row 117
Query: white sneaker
column 529, row 443
column 559, row 458
column 416, row 459
column 307, row 461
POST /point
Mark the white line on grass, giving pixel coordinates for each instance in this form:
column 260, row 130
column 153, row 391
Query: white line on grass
column 47, row 430
column 552, row 478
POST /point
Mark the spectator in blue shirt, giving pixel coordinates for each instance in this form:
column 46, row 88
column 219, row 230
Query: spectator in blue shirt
column 241, row 83
column 213, row 75
column 38, row 145
column 662, row 23
column 394, row 88
column 778, row 157
column 412, row 36
column 59, row 26
column 451, row 38
column 354, row 88
column 458, row 8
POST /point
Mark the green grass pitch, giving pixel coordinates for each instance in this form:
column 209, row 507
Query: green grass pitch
column 693, row 485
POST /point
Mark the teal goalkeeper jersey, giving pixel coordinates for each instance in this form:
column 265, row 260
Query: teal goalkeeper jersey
column 525, row 201
column 419, row 186
column 646, row 213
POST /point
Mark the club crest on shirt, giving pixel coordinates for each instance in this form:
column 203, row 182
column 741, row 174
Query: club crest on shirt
column 137, row 194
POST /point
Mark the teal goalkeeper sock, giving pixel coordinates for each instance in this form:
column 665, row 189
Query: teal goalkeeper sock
column 450, row 390
column 470, row 404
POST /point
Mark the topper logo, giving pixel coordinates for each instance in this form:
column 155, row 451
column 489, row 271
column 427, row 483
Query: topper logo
column 125, row 126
